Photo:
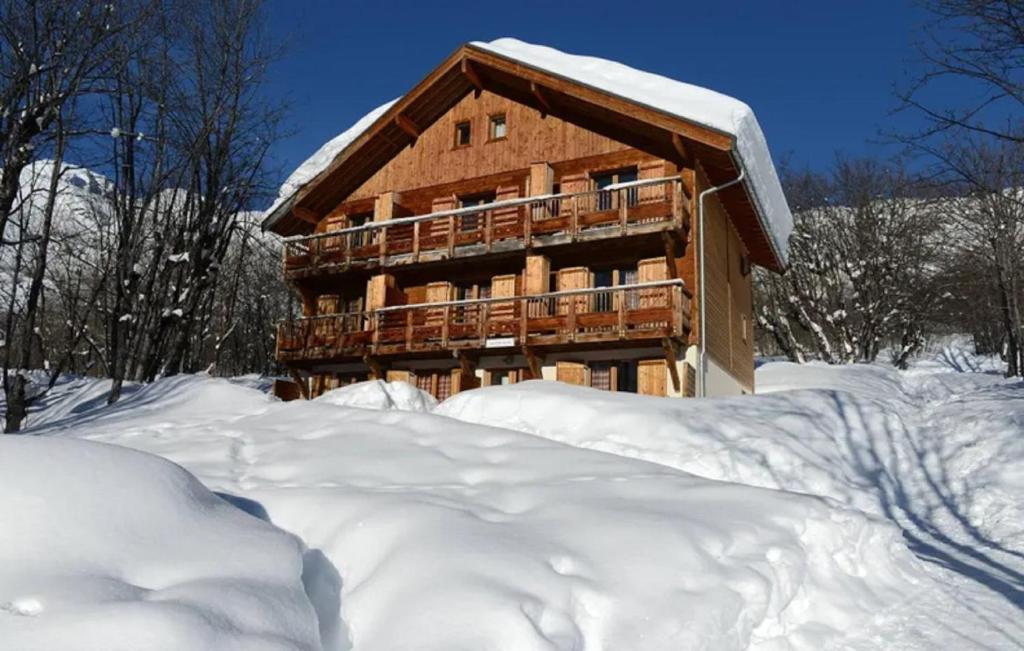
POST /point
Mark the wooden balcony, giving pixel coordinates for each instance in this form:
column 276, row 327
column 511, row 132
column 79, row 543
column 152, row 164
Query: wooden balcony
column 621, row 210
column 646, row 311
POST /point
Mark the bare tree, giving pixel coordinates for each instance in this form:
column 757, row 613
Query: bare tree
column 978, row 44
column 51, row 52
column 862, row 259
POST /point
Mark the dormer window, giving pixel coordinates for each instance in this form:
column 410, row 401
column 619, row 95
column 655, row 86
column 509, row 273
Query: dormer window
column 463, row 134
column 498, row 128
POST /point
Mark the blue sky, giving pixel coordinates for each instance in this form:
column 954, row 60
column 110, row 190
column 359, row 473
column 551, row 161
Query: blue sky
column 819, row 75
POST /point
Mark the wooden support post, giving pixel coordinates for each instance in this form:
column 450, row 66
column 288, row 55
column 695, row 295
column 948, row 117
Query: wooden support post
column 533, row 361
column 377, row 371
column 416, row 241
column 451, row 236
column 302, row 382
column 672, row 348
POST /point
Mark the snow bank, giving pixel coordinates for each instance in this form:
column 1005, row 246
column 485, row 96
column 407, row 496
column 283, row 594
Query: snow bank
column 800, row 441
column 107, row 548
column 845, row 507
column 378, row 394
column 692, row 103
column 473, row 536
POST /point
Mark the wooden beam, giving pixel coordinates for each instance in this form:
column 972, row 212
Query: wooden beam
column 538, row 93
column 306, row 215
column 473, row 76
column 299, row 380
column 533, row 361
column 407, row 125
column 466, row 365
column 680, row 147
column 675, row 250
column 376, row 368
column 671, row 348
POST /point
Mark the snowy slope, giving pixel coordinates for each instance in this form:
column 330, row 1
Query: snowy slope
column 844, row 508
column 686, row 101
column 106, row 548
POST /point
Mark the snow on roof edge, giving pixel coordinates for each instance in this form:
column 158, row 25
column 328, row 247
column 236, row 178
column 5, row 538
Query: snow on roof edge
column 692, row 103
column 318, row 162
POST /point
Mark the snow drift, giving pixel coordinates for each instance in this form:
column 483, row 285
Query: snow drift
column 844, row 508
column 103, row 547
column 473, row 536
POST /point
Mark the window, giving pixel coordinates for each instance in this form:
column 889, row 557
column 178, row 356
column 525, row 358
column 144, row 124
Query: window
column 610, row 199
column 360, row 238
column 609, row 277
column 614, row 376
column 463, row 134
column 473, row 221
column 498, row 128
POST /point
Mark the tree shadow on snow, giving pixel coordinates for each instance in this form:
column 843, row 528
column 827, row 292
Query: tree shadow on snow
column 320, row 580
column 974, row 556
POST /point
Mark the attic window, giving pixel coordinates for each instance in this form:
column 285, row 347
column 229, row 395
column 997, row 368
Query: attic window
column 498, row 128
column 463, row 134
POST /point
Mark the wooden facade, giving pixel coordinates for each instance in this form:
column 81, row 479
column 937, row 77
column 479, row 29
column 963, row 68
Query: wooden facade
column 515, row 234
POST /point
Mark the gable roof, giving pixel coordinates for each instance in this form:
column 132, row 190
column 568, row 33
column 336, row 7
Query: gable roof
column 644, row 110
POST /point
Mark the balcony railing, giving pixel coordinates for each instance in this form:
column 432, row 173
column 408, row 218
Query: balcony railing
column 651, row 310
column 621, row 209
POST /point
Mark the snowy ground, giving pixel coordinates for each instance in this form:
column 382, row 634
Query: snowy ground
column 843, row 508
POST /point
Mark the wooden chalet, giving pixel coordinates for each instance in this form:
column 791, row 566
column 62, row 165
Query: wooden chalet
column 505, row 220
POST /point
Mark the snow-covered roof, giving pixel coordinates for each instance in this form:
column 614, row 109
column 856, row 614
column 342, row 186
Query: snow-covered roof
column 319, row 161
column 685, row 101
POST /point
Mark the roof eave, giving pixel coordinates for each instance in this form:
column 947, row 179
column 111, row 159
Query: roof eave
column 780, row 261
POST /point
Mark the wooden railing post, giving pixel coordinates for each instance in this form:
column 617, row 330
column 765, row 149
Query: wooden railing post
column 408, row 328
column 482, row 324
column 574, row 226
column 527, row 216
column 570, row 319
column 489, row 228
column 524, row 318
column 622, row 313
column 375, row 328
column 451, row 235
column 677, row 310
column 383, row 245
column 446, row 317
column 416, row 241
column 623, row 198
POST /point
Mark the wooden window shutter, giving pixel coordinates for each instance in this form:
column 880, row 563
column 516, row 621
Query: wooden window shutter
column 571, row 373
column 652, row 269
column 573, row 278
column 650, row 377
column 652, row 170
